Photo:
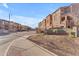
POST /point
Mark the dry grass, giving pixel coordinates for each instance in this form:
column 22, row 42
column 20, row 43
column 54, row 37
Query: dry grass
column 59, row 44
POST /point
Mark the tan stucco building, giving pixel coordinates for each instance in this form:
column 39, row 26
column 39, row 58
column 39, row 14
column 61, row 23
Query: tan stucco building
column 66, row 17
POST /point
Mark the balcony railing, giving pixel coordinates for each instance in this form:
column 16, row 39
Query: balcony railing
column 65, row 12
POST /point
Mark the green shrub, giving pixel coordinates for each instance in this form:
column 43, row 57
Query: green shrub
column 72, row 34
column 55, row 31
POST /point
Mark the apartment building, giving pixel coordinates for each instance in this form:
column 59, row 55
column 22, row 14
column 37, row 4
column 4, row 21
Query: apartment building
column 48, row 21
column 1, row 24
column 42, row 25
column 9, row 26
column 66, row 17
column 56, row 19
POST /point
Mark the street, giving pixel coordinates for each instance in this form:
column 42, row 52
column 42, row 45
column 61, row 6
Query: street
column 17, row 44
column 6, row 40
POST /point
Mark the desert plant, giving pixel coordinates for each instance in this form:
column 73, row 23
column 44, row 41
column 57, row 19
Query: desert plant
column 55, row 31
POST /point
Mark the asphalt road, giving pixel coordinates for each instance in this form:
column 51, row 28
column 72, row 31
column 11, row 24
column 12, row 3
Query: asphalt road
column 25, row 47
column 5, row 40
column 17, row 44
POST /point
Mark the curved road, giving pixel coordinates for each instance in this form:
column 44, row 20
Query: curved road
column 17, row 44
column 7, row 39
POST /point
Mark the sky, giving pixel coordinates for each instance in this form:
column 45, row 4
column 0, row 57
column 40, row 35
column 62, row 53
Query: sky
column 29, row 14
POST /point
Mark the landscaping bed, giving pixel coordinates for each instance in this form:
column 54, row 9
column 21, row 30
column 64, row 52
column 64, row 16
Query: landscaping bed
column 58, row 44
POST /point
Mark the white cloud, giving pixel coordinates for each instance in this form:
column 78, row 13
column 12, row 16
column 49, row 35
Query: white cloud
column 3, row 14
column 29, row 21
column 5, row 5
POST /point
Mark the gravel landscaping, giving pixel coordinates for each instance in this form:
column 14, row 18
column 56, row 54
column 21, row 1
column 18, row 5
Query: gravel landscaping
column 61, row 45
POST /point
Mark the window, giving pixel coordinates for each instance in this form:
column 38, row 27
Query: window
column 66, row 11
column 50, row 21
column 62, row 26
column 68, row 26
column 6, row 27
column 69, row 18
column 62, row 19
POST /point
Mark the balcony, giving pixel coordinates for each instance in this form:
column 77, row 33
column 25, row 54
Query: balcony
column 65, row 12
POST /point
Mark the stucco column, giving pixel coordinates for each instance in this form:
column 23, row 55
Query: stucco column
column 65, row 21
column 75, row 29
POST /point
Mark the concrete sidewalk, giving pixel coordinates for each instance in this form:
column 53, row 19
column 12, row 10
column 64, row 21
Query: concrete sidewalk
column 24, row 47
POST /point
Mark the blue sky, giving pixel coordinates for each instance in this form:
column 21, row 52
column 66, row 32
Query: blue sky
column 28, row 13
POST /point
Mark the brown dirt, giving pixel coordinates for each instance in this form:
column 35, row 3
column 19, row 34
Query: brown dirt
column 58, row 44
